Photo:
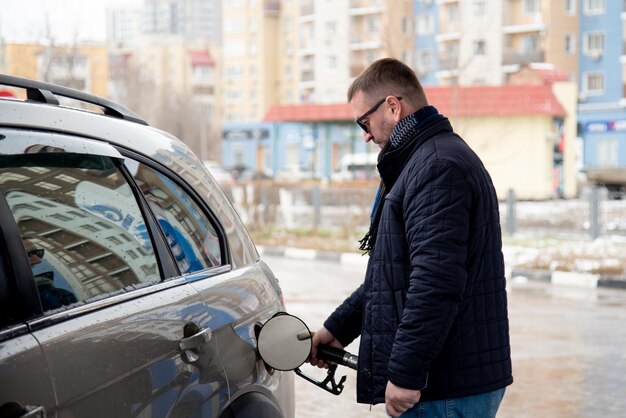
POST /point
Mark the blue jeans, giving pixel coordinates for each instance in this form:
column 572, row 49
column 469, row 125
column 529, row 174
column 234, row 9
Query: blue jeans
column 484, row 405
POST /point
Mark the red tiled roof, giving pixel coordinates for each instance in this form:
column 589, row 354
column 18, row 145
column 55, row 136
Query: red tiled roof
column 508, row 100
column 309, row 113
column 201, row 59
column 495, row 101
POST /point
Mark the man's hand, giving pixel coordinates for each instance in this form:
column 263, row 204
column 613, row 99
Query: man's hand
column 398, row 400
column 322, row 336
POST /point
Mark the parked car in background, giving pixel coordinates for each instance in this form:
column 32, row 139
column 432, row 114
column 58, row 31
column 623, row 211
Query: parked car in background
column 128, row 285
column 358, row 166
column 219, row 173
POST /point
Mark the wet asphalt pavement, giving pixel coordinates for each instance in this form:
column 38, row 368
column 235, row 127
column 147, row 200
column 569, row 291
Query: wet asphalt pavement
column 568, row 345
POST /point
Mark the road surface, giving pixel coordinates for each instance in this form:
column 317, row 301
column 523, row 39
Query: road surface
column 568, row 345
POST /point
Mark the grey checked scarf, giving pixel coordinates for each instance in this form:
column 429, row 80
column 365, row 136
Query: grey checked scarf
column 403, row 133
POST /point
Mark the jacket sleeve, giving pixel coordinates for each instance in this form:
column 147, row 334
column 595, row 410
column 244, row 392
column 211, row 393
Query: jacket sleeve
column 436, row 215
column 345, row 322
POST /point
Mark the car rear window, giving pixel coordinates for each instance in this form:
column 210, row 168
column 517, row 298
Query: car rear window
column 191, row 236
column 80, row 224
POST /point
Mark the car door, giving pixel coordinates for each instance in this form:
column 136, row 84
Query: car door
column 119, row 327
column 25, row 385
column 236, row 300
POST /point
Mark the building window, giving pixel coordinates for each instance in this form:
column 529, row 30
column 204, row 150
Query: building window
column 570, row 7
column 252, row 48
column 424, row 24
column 479, row 47
column 332, row 61
column 531, row 6
column 570, row 44
column 252, row 26
column 608, row 152
column 424, row 61
column 593, row 83
column 454, row 16
column 234, row 49
column 288, row 48
column 371, row 23
column 594, row 7
column 331, row 28
column 479, row 8
column 405, row 24
column 234, row 96
column 233, row 25
column 594, row 43
column 530, row 43
column 287, row 24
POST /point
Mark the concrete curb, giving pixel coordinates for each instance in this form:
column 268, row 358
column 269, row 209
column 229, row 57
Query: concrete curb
column 515, row 275
column 351, row 259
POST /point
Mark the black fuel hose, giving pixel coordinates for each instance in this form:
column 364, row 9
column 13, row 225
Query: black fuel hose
column 337, row 355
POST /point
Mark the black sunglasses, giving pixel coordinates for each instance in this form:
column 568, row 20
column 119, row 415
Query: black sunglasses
column 39, row 252
column 359, row 120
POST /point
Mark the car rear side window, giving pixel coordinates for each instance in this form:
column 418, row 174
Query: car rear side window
column 80, row 224
column 189, row 233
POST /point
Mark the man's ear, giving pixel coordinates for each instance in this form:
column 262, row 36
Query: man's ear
column 395, row 107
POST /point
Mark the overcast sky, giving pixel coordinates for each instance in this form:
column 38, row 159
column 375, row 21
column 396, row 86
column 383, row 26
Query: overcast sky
column 25, row 20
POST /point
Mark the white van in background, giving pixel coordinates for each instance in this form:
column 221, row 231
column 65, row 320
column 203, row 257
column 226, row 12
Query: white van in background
column 358, row 166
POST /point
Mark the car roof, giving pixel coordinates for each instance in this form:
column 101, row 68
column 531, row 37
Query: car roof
column 116, row 125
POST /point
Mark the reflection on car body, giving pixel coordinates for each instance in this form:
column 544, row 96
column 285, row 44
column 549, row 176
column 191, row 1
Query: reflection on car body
column 146, row 296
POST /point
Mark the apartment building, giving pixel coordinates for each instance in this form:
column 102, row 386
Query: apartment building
column 83, row 67
column 180, row 92
column 483, row 42
column 250, row 54
column 194, row 20
column 602, row 97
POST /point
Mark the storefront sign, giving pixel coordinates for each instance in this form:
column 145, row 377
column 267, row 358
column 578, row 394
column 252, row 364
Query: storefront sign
column 606, row 126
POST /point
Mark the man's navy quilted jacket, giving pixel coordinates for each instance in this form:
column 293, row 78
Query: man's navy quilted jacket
column 432, row 310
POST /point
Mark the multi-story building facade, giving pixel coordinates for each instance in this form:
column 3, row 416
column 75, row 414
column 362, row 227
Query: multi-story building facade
column 602, row 97
column 299, row 52
column 483, row 42
column 179, row 93
column 83, row 67
column 194, row 20
column 251, row 59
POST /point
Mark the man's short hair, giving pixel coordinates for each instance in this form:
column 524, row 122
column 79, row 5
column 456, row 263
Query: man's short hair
column 388, row 77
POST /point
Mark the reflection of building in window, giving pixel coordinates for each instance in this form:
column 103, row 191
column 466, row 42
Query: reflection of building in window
column 93, row 254
column 189, row 233
column 183, row 163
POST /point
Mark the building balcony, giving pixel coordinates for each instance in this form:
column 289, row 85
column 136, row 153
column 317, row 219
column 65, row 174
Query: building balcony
column 356, row 69
column 449, row 63
column 524, row 28
column 518, row 58
column 271, row 7
column 307, row 8
column 307, row 76
column 362, row 4
column 356, row 45
column 448, row 37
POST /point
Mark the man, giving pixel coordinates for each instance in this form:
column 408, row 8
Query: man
column 51, row 297
column 432, row 310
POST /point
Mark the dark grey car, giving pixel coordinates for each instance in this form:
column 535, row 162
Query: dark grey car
column 128, row 285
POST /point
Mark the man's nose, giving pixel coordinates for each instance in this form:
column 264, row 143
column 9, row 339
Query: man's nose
column 367, row 136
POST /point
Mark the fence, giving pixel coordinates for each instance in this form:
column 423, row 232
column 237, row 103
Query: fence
column 265, row 205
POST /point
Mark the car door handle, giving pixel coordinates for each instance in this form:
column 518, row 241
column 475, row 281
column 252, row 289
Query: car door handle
column 190, row 345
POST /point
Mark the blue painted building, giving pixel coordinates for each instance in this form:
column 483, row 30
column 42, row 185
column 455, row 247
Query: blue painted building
column 295, row 141
column 602, row 86
column 426, row 48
